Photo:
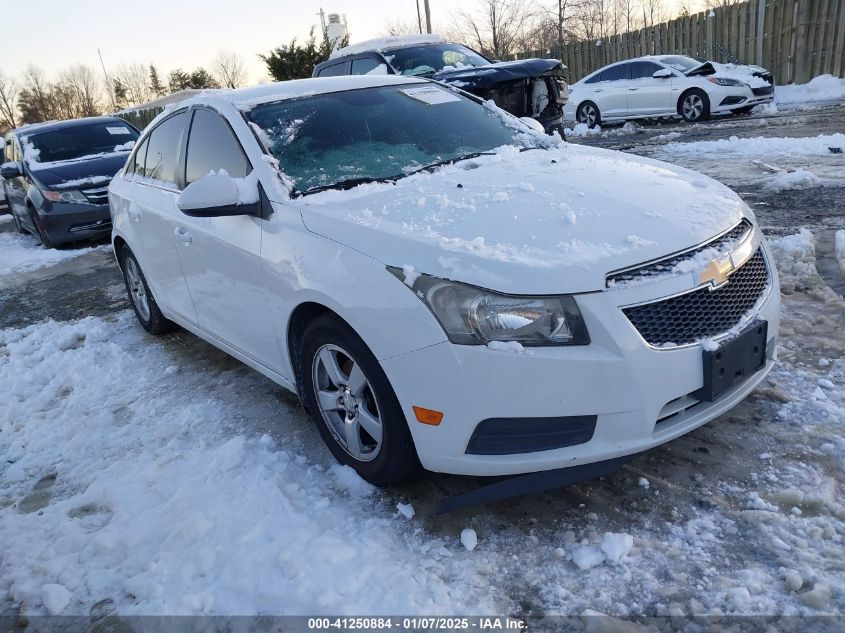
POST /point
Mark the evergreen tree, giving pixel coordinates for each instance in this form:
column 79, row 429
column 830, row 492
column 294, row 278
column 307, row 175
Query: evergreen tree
column 293, row 61
column 155, row 83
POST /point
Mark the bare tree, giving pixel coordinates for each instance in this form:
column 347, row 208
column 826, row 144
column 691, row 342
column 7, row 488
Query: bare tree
column 76, row 93
column 400, row 26
column 35, row 100
column 496, row 27
column 131, row 84
column 8, row 102
column 228, row 69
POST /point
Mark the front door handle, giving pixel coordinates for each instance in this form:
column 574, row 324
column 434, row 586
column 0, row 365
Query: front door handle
column 631, row 88
column 183, row 236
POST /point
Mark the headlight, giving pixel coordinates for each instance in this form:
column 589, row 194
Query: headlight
column 64, row 196
column 474, row 316
column 721, row 81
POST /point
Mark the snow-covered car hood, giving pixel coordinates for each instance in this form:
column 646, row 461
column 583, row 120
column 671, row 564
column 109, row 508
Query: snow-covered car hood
column 539, row 221
column 480, row 77
column 78, row 173
column 755, row 76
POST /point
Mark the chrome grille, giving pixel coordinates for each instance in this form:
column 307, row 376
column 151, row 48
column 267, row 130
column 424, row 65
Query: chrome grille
column 702, row 313
column 97, row 195
column 662, row 266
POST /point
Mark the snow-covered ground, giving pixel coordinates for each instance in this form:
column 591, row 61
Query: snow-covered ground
column 773, row 163
column 133, row 471
column 21, row 253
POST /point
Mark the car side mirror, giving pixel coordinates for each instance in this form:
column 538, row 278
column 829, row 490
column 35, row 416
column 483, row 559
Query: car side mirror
column 10, row 170
column 219, row 195
column 663, row 73
column 534, row 124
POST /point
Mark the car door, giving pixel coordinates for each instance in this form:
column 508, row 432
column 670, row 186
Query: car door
column 648, row 95
column 152, row 213
column 221, row 256
column 609, row 90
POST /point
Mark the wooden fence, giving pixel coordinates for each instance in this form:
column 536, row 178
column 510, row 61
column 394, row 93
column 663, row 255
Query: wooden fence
column 795, row 39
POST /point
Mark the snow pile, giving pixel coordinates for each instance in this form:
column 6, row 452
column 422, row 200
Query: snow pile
column 821, row 88
column 582, row 129
column 21, row 253
column 767, row 147
column 118, row 481
column 788, row 180
column 795, row 255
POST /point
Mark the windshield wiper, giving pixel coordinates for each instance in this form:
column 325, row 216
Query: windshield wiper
column 450, row 161
column 354, row 182
column 350, row 183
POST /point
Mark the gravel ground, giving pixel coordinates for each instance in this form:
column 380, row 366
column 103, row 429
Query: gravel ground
column 722, row 519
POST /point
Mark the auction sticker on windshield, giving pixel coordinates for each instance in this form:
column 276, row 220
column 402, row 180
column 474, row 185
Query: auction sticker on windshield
column 430, row 95
column 117, row 130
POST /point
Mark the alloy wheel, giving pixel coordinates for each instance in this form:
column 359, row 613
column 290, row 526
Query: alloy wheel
column 137, row 290
column 347, row 402
column 693, row 107
column 588, row 115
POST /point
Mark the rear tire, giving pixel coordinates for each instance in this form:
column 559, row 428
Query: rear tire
column 353, row 405
column 589, row 114
column 694, row 106
column 146, row 309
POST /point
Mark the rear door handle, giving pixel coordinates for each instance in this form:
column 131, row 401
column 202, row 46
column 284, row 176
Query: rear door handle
column 599, row 90
column 183, row 236
column 631, row 88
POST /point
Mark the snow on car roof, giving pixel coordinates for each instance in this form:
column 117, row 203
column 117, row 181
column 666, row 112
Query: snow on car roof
column 248, row 97
column 381, row 43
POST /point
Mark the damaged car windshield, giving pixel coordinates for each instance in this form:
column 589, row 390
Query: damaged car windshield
column 428, row 59
column 341, row 139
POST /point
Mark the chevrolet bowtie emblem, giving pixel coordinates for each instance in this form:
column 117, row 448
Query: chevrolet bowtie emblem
column 716, row 272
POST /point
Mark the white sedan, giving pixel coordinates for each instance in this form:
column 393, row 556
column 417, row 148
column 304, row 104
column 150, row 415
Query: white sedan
column 667, row 85
column 442, row 285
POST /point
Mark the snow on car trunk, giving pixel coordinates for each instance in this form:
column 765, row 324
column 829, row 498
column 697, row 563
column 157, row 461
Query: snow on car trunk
column 122, row 478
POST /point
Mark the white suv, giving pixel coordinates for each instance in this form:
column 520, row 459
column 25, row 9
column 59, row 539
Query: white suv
column 441, row 284
column 667, row 85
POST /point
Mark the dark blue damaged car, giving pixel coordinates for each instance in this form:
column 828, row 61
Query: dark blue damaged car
column 532, row 88
column 55, row 176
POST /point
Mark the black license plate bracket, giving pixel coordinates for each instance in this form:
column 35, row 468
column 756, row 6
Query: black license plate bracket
column 733, row 361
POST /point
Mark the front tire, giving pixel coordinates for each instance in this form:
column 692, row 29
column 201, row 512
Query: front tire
column 46, row 242
column 589, row 114
column 353, row 405
column 694, row 106
column 146, row 309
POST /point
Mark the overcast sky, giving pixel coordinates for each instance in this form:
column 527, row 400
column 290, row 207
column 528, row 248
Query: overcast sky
column 53, row 34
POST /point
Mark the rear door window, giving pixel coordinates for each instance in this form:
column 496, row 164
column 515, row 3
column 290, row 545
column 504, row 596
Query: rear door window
column 334, row 70
column 163, row 149
column 213, row 146
column 365, row 65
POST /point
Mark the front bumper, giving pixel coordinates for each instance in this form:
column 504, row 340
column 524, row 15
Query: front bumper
column 63, row 223
column 729, row 98
column 641, row 396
